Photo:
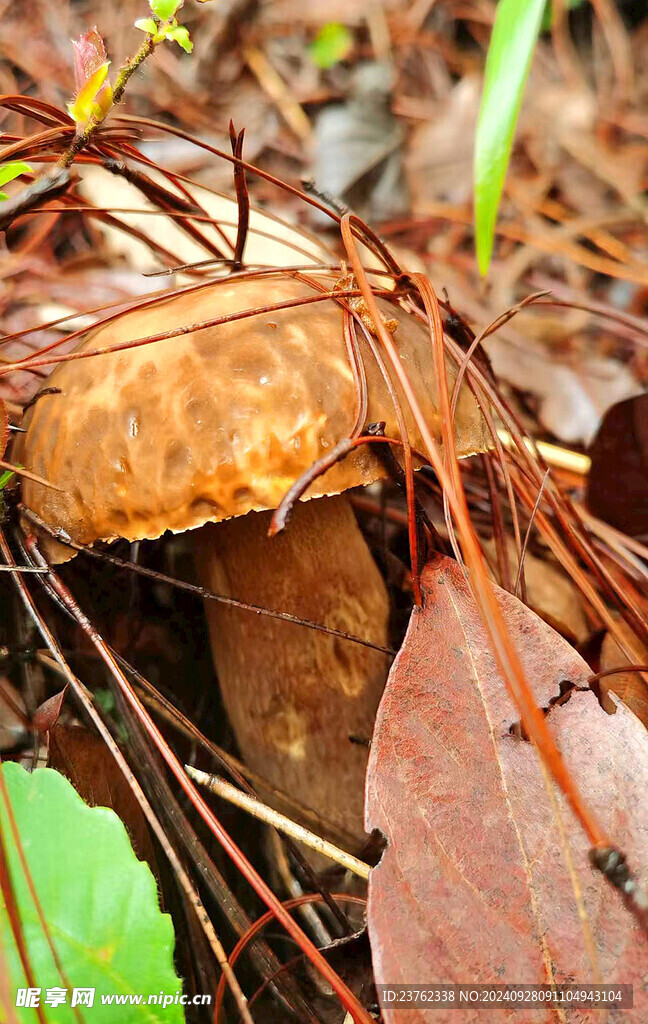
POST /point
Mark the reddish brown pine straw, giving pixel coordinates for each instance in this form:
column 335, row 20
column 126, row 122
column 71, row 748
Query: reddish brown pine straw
column 523, row 476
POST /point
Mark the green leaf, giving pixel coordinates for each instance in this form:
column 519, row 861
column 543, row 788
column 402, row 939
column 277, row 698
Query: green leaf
column 330, row 45
column 12, row 170
column 100, row 903
column 165, row 9
column 180, row 35
column 146, row 25
column 105, row 701
column 517, row 23
column 5, row 478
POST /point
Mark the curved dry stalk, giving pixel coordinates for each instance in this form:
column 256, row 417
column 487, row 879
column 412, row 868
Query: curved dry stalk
column 261, row 922
column 358, row 323
column 191, row 588
column 352, row 321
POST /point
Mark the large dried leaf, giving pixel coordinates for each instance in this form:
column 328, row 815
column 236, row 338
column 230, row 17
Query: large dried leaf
column 617, row 486
column 631, row 687
column 475, row 885
column 549, row 591
column 358, row 146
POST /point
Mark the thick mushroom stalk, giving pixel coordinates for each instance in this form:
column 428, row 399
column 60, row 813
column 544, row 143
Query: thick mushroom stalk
column 295, row 696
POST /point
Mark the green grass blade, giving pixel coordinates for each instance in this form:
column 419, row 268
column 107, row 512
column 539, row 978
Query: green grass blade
column 515, row 32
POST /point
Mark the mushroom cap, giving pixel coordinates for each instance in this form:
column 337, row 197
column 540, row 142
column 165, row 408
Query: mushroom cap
column 219, row 421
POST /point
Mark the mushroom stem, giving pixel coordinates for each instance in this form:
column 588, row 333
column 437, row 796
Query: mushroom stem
column 294, row 696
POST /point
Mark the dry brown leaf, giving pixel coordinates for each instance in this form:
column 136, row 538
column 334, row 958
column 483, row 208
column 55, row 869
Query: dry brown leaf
column 550, row 592
column 631, row 687
column 48, row 713
column 440, row 156
column 475, row 885
column 617, row 485
column 571, row 399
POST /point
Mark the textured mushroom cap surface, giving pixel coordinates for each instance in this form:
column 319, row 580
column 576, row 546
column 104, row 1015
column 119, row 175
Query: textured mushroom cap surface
column 218, row 421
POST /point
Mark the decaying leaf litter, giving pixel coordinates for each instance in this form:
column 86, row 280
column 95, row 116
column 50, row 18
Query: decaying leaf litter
column 571, row 223
column 521, row 889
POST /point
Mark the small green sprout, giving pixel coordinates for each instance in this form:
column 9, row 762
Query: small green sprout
column 331, row 45
column 164, row 24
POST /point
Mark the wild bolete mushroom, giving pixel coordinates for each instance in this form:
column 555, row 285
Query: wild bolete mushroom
column 216, row 425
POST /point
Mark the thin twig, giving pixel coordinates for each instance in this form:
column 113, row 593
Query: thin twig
column 242, row 196
column 192, row 588
column 86, row 702
column 279, row 821
column 82, row 139
column 347, row 998
column 19, row 471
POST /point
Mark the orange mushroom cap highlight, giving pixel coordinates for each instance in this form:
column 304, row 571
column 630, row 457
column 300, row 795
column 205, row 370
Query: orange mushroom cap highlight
column 219, row 421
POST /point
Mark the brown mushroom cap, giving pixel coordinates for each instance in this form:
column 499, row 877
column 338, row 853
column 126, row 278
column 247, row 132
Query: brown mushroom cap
column 217, row 422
